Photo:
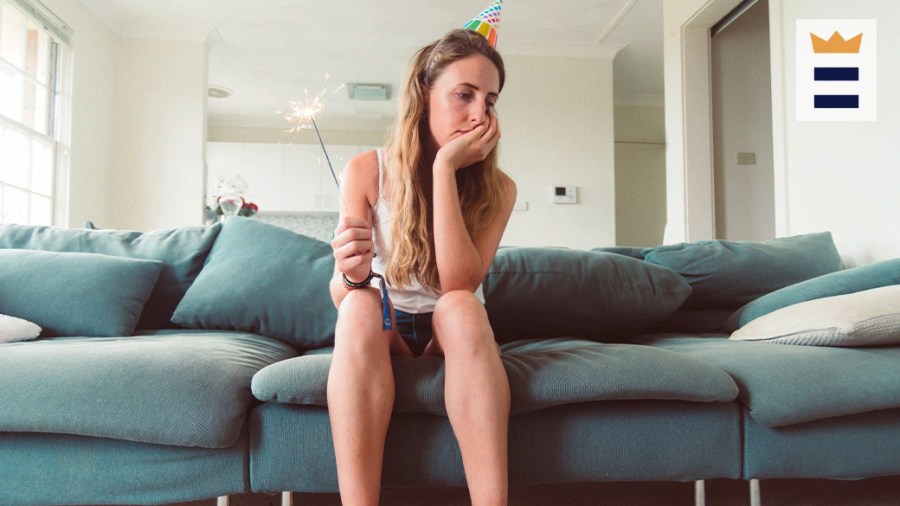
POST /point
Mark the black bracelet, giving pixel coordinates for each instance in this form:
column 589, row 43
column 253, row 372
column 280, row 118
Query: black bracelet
column 350, row 285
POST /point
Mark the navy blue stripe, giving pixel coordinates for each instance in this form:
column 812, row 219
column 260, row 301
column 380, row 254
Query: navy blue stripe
column 837, row 74
column 837, row 102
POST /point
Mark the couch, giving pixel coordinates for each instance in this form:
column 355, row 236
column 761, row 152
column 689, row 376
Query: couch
column 191, row 363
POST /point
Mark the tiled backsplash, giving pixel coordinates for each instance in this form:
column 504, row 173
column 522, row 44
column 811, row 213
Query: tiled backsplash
column 319, row 225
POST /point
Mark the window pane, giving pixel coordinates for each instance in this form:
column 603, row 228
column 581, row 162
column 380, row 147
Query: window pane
column 42, row 167
column 43, row 57
column 15, row 158
column 10, row 93
column 12, row 37
column 33, row 58
column 40, row 210
column 15, row 206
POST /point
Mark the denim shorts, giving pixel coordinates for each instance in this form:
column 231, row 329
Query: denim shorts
column 415, row 329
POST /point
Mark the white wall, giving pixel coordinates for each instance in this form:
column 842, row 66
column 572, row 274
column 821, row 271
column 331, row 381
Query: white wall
column 742, row 122
column 138, row 127
column 838, row 176
column 160, row 134
column 556, row 118
column 93, row 111
column 640, row 175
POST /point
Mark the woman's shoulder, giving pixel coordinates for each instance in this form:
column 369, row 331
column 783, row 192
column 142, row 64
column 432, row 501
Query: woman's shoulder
column 508, row 185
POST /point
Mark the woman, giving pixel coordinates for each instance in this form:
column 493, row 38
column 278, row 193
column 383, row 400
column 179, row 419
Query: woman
column 428, row 212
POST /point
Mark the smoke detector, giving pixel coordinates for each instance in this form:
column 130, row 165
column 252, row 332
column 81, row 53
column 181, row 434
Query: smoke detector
column 216, row 91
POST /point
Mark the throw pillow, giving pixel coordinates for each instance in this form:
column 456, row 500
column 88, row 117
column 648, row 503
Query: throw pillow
column 552, row 292
column 866, row 318
column 75, row 294
column 181, row 250
column 264, row 279
column 14, row 329
column 837, row 283
column 728, row 274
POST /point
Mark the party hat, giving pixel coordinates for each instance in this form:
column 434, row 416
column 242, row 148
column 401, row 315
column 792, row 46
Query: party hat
column 487, row 22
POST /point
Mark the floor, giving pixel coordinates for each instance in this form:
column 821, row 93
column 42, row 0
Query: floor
column 871, row 492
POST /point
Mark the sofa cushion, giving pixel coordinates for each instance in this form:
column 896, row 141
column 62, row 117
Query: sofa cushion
column 264, row 279
column 181, row 251
column 181, row 388
column 555, row 292
column 75, row 294
column 866, row 318
column 837, row 283
column 787, row 385
column 542, row 373
column 728, row 274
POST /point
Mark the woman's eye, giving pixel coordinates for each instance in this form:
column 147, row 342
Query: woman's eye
column 464, row 96
column 490, row 105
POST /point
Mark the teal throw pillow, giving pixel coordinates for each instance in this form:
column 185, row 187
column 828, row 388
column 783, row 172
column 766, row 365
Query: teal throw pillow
column 182, row 252
column 75, row 294
column 552, row 292
column 264, row 279
column 729, row 274
column 843, row 282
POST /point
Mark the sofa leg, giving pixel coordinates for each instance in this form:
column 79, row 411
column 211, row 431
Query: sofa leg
column 755, row 499
column 287, row 499
column 699, row 493
column 222, row 500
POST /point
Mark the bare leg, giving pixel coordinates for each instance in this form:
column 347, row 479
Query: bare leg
column 361, row 395
column 477, row 394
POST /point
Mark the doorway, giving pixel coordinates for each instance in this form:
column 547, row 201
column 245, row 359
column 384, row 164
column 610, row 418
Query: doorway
column 743, row 165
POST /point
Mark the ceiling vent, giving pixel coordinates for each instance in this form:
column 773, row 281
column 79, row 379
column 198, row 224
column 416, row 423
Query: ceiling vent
column 361, row 91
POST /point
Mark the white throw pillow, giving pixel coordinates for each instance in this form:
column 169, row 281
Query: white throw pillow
column 866, row 318
column 16, row 329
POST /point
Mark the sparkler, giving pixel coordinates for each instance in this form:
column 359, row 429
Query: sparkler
column 303, row 116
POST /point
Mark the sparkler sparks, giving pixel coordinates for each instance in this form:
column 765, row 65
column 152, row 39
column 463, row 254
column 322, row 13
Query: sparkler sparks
column 303, row 116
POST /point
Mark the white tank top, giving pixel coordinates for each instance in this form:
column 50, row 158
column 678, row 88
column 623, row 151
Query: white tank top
column 414, row 298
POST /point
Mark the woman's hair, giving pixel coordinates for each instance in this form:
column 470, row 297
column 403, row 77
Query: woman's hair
column 412, row 252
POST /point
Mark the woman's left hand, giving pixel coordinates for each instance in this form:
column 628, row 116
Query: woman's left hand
column 471, row 147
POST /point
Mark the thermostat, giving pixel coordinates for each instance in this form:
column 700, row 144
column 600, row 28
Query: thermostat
column 564, row 194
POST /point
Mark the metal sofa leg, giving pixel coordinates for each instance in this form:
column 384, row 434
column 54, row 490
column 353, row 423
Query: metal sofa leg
column 222, row 500
column 287, row 499
column 755, row 499
column 699, row 493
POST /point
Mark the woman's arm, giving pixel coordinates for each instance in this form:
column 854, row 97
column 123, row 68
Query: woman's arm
column 352, row 243
column 463, row 261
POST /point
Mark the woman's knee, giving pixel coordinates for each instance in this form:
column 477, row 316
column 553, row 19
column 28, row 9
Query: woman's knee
column 359, row 320
column 462, row 317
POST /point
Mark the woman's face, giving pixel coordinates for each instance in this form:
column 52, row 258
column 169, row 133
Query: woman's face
column 460, row 98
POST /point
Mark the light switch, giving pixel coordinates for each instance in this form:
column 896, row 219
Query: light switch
column 746, row 158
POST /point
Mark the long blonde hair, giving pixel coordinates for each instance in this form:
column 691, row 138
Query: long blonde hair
column 412, row 253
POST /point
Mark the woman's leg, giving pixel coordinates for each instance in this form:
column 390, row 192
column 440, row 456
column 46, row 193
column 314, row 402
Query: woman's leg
column 477, row 393
column 361, row 395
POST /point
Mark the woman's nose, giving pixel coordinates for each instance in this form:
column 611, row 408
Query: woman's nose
column 478, row 113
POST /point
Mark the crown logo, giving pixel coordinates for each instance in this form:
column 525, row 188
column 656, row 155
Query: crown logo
column 836, row 44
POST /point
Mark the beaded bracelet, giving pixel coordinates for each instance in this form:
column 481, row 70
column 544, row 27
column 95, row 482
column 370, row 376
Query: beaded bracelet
column 350, row 285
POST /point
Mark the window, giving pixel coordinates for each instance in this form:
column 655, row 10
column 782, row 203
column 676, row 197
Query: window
column 34, row 116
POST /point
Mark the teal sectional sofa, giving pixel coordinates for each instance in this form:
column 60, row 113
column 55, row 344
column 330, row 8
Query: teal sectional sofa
column 191, row 363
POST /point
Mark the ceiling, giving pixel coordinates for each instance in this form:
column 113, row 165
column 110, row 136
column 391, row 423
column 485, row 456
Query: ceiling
column 269, row 53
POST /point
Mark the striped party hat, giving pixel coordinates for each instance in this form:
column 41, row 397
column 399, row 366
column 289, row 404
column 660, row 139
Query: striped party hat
column 487, row 22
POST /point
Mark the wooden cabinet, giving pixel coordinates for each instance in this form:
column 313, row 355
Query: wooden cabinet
column 282, row 177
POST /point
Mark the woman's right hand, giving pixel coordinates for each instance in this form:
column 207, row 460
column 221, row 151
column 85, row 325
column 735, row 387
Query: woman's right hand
column 353, row 248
